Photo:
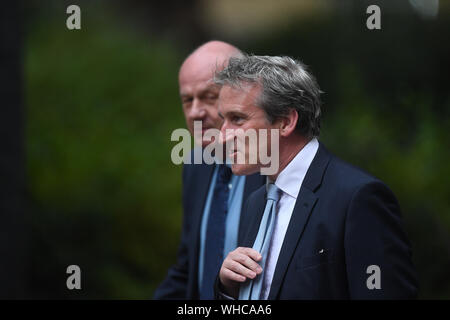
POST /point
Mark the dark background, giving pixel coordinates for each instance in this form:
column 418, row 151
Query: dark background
column 85, row 172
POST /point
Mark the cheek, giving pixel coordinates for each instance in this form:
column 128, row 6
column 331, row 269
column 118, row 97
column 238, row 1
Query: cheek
column 218, row 120
column 189, row 123
column 190, row 126
column 188, row 117
column 211, row 111
column 214, row 112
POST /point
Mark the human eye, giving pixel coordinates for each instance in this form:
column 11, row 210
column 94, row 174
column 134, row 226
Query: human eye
column 237, row 119
column 210, row 97
column 186, row 100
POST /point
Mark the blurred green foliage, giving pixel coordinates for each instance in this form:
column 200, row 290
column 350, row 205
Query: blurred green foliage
column 101, row 106
column 103, row 101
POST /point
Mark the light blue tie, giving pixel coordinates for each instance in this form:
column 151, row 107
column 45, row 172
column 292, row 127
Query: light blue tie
column 251, row 289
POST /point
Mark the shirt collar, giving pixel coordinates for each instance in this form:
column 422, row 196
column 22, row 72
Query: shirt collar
column 291, row 178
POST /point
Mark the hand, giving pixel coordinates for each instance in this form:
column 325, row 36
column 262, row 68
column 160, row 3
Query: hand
column 239, row 265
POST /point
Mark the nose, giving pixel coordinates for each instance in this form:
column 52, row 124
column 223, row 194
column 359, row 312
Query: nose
column 198, row 110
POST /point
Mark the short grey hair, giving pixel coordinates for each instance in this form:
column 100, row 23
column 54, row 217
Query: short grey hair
column 286, row 84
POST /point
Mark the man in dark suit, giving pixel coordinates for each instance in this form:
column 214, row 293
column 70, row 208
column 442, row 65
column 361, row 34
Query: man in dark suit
column 320, row 228
column 212, row 196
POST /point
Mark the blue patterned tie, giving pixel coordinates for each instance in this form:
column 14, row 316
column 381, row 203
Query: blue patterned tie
column 215, row 232
column 251, row 289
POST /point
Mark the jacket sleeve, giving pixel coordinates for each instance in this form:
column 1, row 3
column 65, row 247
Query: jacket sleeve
column 377, row 250
column 174, row 286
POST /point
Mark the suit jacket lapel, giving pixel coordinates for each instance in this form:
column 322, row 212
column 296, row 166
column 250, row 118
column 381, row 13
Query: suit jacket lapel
column 304, row 205
column 250, row 226
column 252, row 183
column 302, row 210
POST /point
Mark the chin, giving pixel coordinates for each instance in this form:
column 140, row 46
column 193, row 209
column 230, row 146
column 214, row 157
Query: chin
column 244, row 170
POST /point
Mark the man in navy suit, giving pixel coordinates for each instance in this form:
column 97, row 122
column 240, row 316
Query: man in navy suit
column 320, row 228
column 212, row 196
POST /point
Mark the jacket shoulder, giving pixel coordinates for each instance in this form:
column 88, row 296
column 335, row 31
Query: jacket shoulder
column 347, row 176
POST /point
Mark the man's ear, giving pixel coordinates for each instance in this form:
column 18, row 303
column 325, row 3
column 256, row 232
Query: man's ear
column 287, row 124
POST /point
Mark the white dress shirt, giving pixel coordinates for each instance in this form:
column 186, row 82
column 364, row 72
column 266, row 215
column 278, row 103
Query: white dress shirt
column 289, row 182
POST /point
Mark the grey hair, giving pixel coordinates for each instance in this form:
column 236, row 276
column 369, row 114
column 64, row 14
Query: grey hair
column 286, row 85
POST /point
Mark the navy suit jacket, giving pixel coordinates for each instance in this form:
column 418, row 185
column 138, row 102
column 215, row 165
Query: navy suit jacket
column 344, row 221
column 181, row 281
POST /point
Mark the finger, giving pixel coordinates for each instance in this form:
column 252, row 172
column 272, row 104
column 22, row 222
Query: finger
column 238, row 268
column 252, row 253
column 248, row 262
column 228, row 275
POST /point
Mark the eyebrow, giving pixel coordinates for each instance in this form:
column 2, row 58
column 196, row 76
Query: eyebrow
column 234, row 113
column 209, row 88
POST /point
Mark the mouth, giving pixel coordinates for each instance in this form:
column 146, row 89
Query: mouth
column 233, row 154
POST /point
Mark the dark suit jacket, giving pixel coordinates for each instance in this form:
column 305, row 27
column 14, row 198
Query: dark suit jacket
column 344, row 220
column 181, row 281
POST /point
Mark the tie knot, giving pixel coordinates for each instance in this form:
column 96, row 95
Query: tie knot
column 225, row 173
column 273, row 193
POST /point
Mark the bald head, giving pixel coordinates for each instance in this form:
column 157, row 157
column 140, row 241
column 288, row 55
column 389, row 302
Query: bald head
column 197, row 89
column 206, row 58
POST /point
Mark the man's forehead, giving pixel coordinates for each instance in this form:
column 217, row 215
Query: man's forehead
column 245, row 94
column 198, row 86
column 196, row 79
column 201, row 65
column 191, row 74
